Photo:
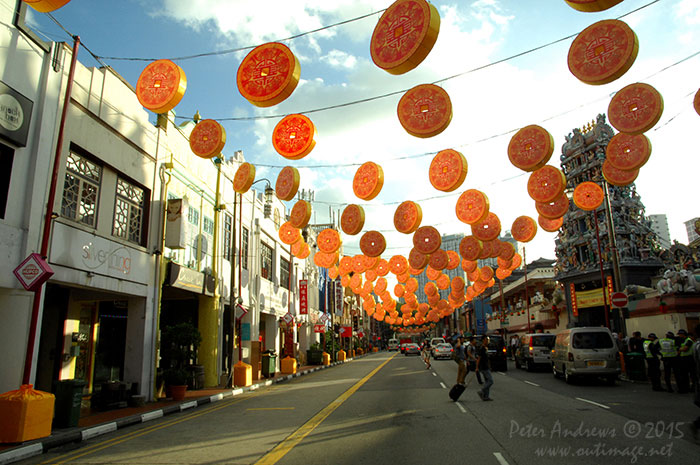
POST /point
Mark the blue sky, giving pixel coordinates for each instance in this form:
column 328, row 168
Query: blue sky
column 336, row 68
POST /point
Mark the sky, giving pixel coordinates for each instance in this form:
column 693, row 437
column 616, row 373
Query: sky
column 502, row 62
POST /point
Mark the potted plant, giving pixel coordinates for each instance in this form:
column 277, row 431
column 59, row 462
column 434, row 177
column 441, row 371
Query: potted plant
column 179, row 345
column 314, row 356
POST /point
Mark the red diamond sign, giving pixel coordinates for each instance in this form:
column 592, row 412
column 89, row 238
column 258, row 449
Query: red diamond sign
column 288, row 318
column 33, row 272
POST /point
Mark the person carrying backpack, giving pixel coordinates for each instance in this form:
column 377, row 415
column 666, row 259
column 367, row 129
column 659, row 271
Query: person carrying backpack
column 460, row 357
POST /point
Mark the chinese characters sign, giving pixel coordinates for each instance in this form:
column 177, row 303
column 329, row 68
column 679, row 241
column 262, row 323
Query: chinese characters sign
column 303, row 297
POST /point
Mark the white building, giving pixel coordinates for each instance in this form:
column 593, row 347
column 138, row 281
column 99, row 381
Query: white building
column 659, row 224
column 690, row 229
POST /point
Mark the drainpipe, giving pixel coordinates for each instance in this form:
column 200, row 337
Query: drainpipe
column 48, row 219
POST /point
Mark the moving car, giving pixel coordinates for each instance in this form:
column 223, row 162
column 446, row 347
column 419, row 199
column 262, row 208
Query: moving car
column 435, row 341
column 497, row 352
column 535, row 350
column 580, row 352
column 442, row 351
column 411, row 348
column 393, row 344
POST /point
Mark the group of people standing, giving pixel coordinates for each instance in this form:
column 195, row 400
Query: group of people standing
column 472, row 357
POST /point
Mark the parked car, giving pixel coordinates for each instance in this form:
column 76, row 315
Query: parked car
column 411, row 348
column 580, row 352
column 535, row 350
column 442, row 351
column 497, row 353
column 435, row 341
column 393, row 344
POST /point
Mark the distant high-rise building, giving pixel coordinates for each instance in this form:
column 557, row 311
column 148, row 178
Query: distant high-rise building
column 690, row 229
column 659, row 224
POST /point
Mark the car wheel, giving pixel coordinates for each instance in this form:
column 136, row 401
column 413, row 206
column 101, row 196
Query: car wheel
column 567, row 377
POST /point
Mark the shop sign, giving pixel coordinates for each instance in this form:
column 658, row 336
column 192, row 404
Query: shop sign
column 346, row 331
column 574, row 304
column 175, row 225
column 33, row 272
column 183, row 278
column 245, row 331
column 288, row 318
column 319, row 328
column 303, row 297
column 338, row 298
column 15, row 115
column 325, row 318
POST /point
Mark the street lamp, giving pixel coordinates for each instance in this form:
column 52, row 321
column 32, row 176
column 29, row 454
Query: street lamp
column 269, row 192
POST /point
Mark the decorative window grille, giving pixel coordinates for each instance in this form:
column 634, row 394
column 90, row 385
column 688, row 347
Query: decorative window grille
column 284, row 273
column 81, row 190
column 266, row 261
column 244, row 248
column 128, row 211
column 228, row 231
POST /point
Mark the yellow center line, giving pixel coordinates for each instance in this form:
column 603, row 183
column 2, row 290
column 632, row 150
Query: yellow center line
column 304, row 430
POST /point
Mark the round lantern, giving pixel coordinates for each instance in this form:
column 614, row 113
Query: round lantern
column 588, row 196
column 635, row 108
column 530, row 148
column 46, row 6
column 696, row 102
column 453, row 259
column 425, row 110
column 507, row 250
column 325, row 260
column 352, row 220
column 470, row 247
column 418, row 260
column 628, row 152
column 404, row 35
column 161, row 86
column 398, row 264
column 554, row 209
column 603, row 52
column 372, row 243
column 618, row 177
column 447, row 170
column 289, row 234
column 207, row 139
column 244, row 178
column 550, row 225
column 293, row 137
column 546, row 184
column 408, row 217
column 300, row 215
column 524, row 229
column 287, row 183
column 268, row 74
column 487, row 229
column 439, row 260
column 472, row 206
column 368, row 181
column 592, row 5
column 328, row 240
column 427, row 240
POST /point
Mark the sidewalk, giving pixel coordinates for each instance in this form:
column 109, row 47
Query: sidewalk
column 95, row 424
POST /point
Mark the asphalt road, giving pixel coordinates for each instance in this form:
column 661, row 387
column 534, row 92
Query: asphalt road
column 387, row 408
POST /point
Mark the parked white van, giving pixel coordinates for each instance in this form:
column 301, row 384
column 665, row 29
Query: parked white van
column 393, row 344
column 582, row 352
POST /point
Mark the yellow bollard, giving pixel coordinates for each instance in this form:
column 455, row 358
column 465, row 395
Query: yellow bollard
column 25, row 414
column 341, row 355
column 326, row 357
column 289, row 365
column 375, row 349
column 242, row 374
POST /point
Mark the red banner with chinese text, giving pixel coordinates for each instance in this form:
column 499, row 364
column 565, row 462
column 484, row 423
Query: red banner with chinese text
column 303, row 297
column 574, row 305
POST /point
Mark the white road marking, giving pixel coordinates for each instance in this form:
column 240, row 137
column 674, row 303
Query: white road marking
column 532, row 384
column 501, row 373
column 443, row 385
column 434, row 374
column 460, row 407
column 500, row 458
column 594, row 403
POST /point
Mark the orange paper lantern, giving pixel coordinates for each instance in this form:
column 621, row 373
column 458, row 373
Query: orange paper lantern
column 439, row 260
column 207, row 139
column 368, row 181
column 590, row 6
column 293, row 137
column 408, row 217
column 628, row 152
column 352, row 220
column 325, row 260
column 546, row 184
column 328, row 240
column 404, row 35
column 427, row 240
column 487, row 229
column 425, row 110
column 507, row 250
column 618, row 177
column 470, row 248
column 696, row 102
column 372, row 243
column 398, row 264
column 603, row 52
column 287, row 183
column 588, row 196
column 244, row 178
column 524, row 229
column 554, row 209
column 46, row 6
column 417, row 260
column 268, row 74
column 300, row 215
column 530, row 148
column 161, row 86
column 472, row 206
column 635, row 108
column 550, row 225
column 453, row 260
column 447, row 170
column 289, row 234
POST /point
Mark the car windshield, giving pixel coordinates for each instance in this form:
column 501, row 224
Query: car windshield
column 543, row 340
column 495, row 342
column 592, row 340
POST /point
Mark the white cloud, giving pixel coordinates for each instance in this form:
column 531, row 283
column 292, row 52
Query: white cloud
column 339, row 59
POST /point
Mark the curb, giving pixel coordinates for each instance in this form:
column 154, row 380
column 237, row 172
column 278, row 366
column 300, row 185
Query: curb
column 40, row 446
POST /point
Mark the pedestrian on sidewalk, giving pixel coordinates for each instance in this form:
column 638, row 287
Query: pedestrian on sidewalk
column 461, row 358
column 483, row 367
column 653, row 352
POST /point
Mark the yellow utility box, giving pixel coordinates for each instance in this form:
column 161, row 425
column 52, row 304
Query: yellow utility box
column 341, row 355
column 326, row 357
column 25, row 414
column 242, row 374
column 289, row 365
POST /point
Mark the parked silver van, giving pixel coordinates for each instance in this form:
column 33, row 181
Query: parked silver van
column 580, row 352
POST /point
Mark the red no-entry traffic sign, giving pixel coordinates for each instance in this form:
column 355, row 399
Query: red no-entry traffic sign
column 619, row 299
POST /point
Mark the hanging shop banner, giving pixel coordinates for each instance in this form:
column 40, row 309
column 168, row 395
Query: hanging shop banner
column 319, row 328
column 338, row 298
column 15, row 114
column 303, row 297
column 609, row 280
column 346, row 331
column 588, row 299
column 574, row 305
